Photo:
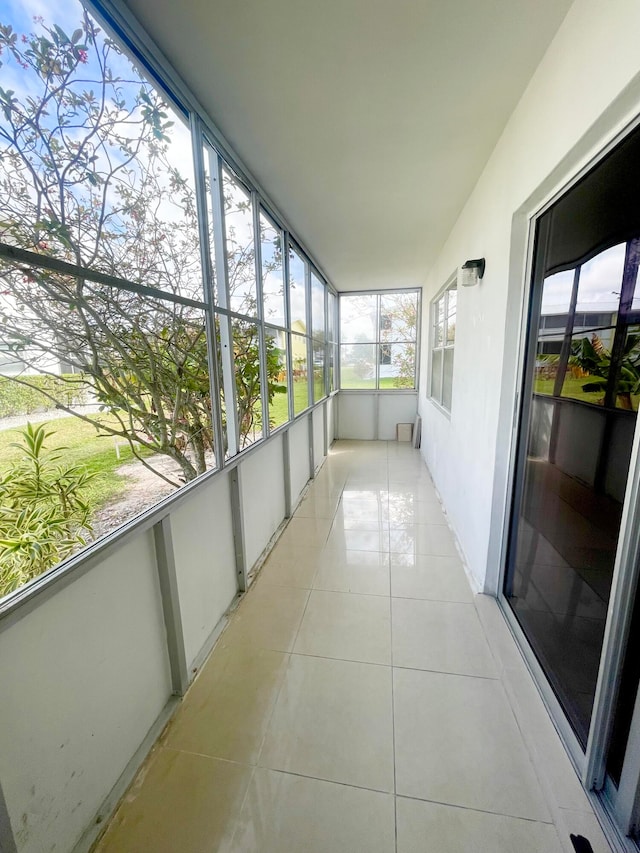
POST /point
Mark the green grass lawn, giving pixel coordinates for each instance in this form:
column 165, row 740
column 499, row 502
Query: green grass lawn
column 349, row 380
column 279, row 407
column 572, row 388
column 84, row 447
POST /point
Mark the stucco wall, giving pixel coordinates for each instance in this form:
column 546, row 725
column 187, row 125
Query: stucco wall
column 583, row 93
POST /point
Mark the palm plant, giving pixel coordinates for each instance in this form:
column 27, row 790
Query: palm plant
column 593, row 357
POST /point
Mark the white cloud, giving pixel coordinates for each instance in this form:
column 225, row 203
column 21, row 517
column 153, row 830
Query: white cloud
column 599, row 289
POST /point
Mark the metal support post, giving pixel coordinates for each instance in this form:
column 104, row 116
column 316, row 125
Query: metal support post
column 167, row 576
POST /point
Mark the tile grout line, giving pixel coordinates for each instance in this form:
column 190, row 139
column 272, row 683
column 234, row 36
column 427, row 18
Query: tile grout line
column 393, row 702
column 417, row 799
column 295, row 639
column 279, row 690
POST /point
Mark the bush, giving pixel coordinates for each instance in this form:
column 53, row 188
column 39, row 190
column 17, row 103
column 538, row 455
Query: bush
column 17, row 398
column 44, row 516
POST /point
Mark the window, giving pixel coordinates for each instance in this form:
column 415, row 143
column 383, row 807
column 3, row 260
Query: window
column 378, row 339
column 149, row 300
column 443, row 318
column 332, row 343
column 298, row 305
column 318, row 325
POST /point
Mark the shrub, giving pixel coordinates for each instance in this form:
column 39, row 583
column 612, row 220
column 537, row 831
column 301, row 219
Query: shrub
column 17, row 398
column 43, row 514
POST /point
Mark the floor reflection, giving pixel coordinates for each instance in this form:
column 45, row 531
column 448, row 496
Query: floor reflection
column 567, row 540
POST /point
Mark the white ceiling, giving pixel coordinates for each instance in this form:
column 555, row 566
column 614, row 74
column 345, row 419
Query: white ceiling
column 368, row 122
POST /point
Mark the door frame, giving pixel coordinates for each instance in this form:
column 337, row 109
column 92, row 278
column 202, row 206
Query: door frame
column 623, row 804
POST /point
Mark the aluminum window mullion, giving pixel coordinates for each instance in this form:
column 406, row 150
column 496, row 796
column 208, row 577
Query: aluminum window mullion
column 378, row 345
column 207, row 271
column 287, row 319
column 418, row 341
column 262, row 341
column 224, row 322
column 565, row 352
column 326, row 343
column 445, row 331
column 23, row 256
column 309, row 315
column 337, row 368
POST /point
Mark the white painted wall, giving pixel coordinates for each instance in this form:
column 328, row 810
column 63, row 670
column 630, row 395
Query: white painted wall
column 393, row 409
column 262, row 497
column 318, row 436
column 84, row 678
column 85, row 674
column 331, row 420
column 205, row 562
column 356, row 415
column 374, row 415
column 299, row 450
column 584, row 91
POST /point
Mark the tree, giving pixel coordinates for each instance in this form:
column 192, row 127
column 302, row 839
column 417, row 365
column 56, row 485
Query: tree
column 93, row 171
column 400, row 313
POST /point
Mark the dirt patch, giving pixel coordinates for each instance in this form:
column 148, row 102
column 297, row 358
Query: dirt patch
column 143, row 489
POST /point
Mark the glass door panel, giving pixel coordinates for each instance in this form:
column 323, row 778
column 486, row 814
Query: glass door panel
column 580, row 398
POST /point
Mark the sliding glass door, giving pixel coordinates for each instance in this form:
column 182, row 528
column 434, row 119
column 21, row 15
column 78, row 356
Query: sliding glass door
column 576, row 456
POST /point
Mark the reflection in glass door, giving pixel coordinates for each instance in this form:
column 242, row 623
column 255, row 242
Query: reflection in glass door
column 580, row 399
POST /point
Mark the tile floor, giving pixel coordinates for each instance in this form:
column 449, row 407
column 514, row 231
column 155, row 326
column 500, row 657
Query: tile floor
column 361, row 699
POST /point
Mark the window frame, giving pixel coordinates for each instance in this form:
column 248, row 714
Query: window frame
column 379, row 343
column 206, row 142
column 441, row 296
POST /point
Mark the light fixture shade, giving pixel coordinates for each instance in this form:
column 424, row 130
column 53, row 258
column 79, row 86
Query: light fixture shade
column 471, row 272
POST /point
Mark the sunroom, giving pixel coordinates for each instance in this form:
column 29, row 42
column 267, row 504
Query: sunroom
column 319, row 379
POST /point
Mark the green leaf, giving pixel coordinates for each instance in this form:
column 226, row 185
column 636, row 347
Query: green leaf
column 64, row 38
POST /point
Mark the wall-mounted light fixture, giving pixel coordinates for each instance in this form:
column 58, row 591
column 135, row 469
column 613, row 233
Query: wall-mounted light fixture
column 471, row 272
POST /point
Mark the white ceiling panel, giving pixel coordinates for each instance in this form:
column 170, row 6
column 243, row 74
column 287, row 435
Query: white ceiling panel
column 367, row 121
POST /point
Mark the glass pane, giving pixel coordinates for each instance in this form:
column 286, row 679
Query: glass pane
column 439, row 321
column 332, row 361
column 297, row 292
column 115, row 191
column 317, row 308
column 123, row 429
column 272, row 273
column 588, row 368
column 238, row 221
column 397, row 365
column 246, row 366
column 276, row 343
column 627, row 383
column 318, row 371
column 599, row 289
column 358, row 366
column 207, row 155
column 398, row 316
column 573, row 475
column 331, row 319
column 556, row 298
column 358, row 318
column 223, row 336
column 436, row 375
column 299, row 361
column 452, row 301
column 447, row 378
